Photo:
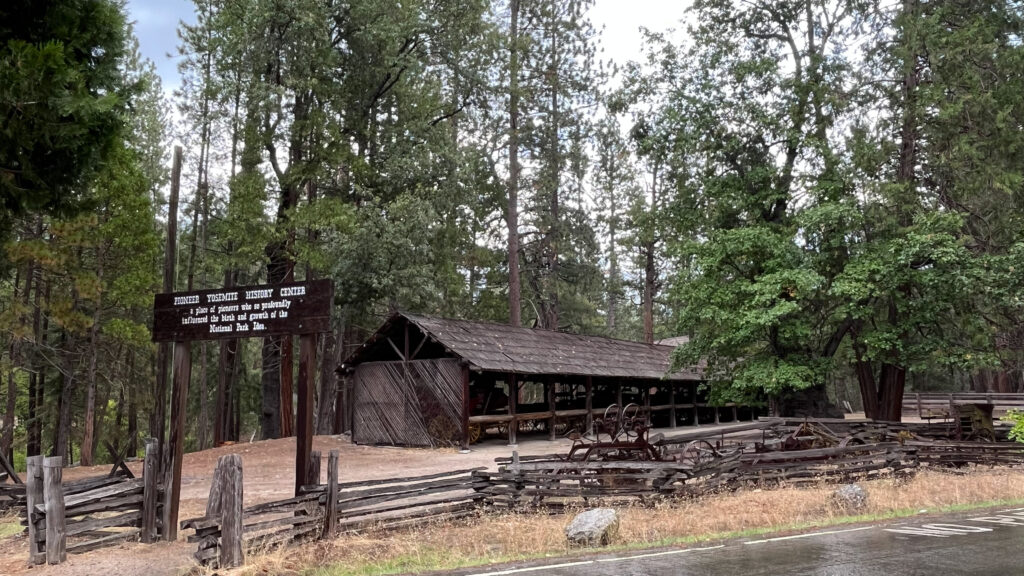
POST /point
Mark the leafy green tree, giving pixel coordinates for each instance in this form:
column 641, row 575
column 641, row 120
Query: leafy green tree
column 62, row 96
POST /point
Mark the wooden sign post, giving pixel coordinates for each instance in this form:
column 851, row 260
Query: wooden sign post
column 297, row 308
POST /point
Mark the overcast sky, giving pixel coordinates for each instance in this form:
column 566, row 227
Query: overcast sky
column 156, row 23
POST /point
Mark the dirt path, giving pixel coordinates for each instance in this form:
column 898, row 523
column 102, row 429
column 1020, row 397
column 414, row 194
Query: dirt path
column 268, row 468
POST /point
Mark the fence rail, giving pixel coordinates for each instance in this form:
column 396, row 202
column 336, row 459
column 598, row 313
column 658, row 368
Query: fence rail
column 68, row 518
column 324, row 509
column 929, row 405
column 228, row 530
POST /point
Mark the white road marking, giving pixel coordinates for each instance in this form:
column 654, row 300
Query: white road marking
column 666, row 553
column 1012, row 510
column 534, row 568
column 811, row 535
column 955, row 528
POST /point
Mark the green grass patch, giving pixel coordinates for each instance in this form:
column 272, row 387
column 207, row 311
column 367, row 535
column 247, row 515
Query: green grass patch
column 9, row 526
column 439, row 559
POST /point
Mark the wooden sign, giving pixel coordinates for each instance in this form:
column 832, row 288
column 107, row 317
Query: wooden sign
column 243, row 312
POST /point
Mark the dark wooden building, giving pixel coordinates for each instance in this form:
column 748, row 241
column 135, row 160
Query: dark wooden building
column 425, row 381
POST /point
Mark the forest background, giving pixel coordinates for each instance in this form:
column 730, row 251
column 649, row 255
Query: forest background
column 824, row 196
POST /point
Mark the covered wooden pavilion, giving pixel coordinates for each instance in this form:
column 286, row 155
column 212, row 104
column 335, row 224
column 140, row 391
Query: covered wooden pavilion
column 427, row 381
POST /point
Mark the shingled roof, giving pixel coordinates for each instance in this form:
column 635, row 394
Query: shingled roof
column 511, row 349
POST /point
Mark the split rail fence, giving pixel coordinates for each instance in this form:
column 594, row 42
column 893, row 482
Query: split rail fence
column 67, row 518
column 229, row 530
column 929, row 405
column 12, row 489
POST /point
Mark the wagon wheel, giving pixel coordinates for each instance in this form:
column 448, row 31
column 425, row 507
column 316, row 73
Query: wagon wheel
column 698, row 453
column 629, row 420
column 442, row 429
column 609, row 422
column 474, row 433
column 850, row 441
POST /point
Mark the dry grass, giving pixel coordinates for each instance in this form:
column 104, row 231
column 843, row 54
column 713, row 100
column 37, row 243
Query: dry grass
column 500, row 538
column 9, row 524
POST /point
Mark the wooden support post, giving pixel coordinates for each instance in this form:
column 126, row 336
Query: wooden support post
column 179, row 403
column 716, row 415
column 590, row 405
column 34, row 496
column 340, row 404
column 513, row 404
column 735, row 414
column 164, row 348
column 304, row 425
column 618, row 396
column 313, row 470
column 150, row 480
column 672, row 404
column 549, row 386
column 465, row 400
column 231, row 554
column 647, row 405
column 920, row 412
column 53, row 496
column 331, row 513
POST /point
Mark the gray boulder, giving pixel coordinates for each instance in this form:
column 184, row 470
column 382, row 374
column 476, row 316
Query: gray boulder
column 597, row 527
column 849, row 497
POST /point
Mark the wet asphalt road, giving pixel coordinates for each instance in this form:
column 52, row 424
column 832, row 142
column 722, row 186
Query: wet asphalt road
column 982, row 543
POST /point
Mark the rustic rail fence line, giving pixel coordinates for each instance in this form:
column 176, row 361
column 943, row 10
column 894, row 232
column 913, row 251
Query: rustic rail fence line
column 558, row 484
column 229, row 530
column 12, row 489
column 943, row 405
column 91, row 513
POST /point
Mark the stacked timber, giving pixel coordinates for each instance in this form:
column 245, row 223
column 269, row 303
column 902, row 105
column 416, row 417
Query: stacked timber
column 12, row 496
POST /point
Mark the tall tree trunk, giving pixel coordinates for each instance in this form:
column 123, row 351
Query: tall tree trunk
column 270, row 383
column 236, row 398
column 202, row 435
column 512, row 212
column 94, row 349
column 329, row 361
column 62, row 438
column 42, row 327
column 225, row 371
column 549, row 299
column 883, row 396
column 650, row 271
column 276, row 385
column 133, row 407
column 37, row 377
column 7, row 438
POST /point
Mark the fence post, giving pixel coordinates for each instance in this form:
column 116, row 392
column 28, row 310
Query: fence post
column 150, row 477
column 331, row 512
column 313, row 468
column 231, row 554
column 213, row 501
column 53, row 494
column 33, row 496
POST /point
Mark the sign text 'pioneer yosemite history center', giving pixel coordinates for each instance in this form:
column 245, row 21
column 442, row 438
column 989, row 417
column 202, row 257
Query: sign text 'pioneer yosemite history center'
column 243, row 311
